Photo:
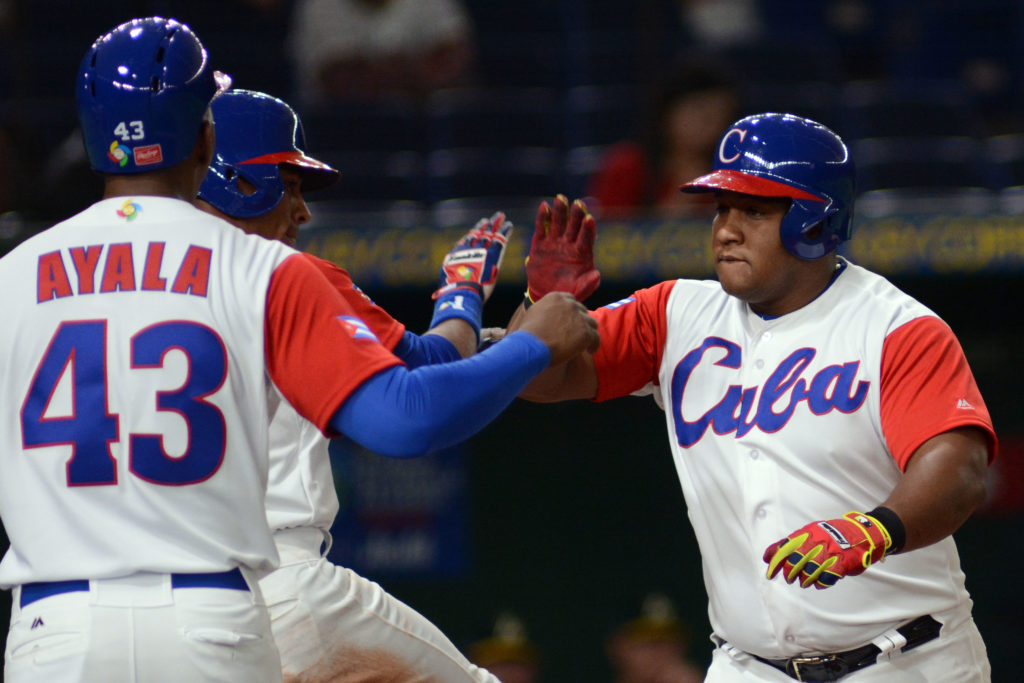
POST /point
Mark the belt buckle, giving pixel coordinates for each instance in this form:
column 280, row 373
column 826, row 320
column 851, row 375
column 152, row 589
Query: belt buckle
column 824, row 660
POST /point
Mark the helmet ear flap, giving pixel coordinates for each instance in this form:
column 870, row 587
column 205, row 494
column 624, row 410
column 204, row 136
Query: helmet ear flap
column 257, row 135
column 221, row 189
column 806, row 218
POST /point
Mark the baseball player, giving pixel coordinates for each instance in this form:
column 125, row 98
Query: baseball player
column 328, row 620
column 826, row 428
column 139, row 371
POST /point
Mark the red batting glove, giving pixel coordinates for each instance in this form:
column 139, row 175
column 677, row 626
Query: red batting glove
column 562, row 251
column 823, row 552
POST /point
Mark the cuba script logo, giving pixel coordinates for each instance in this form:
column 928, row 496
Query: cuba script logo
column 767, row 407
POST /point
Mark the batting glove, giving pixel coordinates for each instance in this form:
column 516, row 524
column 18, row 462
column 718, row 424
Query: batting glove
column 469, row 272
column 474, row 261
column 823, row 552
column 562, row 252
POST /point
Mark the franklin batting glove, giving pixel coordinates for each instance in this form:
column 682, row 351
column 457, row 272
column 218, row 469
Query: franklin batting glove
column 474, row 261
column 562, row 252
column 823, row 552
column 469, row 272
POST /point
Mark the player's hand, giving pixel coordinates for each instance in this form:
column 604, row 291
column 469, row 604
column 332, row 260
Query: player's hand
column 823, row 552
column 562, row 251
column 475, row 259
column 563, row 324
column 491, row 335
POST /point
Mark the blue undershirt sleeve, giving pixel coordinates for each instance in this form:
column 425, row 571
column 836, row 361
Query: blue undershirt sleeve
column 402, row 412
column 427, row 349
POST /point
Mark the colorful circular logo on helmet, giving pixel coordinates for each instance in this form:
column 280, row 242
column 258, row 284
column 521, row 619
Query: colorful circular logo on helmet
column 118, row 153
column 129, row 210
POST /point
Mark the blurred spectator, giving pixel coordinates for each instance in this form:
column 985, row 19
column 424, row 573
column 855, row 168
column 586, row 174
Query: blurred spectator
column 690, row 112
column 363, row 49
column 653, row 647
column 507, row 652
column 720, row 23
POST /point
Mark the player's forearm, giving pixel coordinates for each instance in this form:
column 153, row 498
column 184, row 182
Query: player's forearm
column 404, row 413
column 943, row 485
column 459, row 333
column 428, row 349
column 575, row 379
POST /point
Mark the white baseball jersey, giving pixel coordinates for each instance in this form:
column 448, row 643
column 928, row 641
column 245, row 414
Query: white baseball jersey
column 301, row 489
column 327, row 620
column 137, row 368
column 777, row 423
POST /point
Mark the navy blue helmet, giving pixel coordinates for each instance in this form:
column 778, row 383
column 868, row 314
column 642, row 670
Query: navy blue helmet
column 142, row 92
column 782, row 155
column 255, row 133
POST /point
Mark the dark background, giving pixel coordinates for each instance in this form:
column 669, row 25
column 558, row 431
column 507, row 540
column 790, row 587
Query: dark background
column 575, row 511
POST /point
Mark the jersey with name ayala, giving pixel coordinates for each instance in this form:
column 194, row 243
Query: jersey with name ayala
column 777, row 423
column 140, row 342
column 300, row 491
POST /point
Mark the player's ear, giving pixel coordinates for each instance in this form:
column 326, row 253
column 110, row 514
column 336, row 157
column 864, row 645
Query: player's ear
column 206, row 141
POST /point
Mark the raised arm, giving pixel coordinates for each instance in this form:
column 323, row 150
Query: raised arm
column 402, row 412
column 561, row 259
column 467, row 278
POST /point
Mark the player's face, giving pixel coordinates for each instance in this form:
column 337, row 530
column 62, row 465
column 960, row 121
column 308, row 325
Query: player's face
column 282, row 222
column 751, row 262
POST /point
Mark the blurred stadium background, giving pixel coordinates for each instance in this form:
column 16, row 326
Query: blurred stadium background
column 569, row 514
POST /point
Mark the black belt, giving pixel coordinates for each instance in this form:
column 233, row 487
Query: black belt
column 832, row 667
column 233, row 579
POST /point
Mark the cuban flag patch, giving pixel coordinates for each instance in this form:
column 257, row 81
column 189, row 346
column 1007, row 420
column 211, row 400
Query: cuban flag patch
column 621, row 302
column 357, row 328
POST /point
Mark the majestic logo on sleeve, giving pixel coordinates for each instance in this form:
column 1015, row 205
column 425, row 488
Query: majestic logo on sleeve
column 768, row 407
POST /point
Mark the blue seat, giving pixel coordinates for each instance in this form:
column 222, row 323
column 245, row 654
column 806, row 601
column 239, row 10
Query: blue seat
column 391, row 124
column 872, row 109
column 600, row 114
column 1006, row 155
column 920, row 162
column 494, row 117
column 817, row 100
column 374, row 175
column 487, row 171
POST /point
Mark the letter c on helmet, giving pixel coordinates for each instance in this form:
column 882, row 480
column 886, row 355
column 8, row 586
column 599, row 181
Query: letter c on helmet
column 725, row 138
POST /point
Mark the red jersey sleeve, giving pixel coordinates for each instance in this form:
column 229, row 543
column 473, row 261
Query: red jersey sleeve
column 632, row 341
column 927, row 388
column 387, row 329
column 318, row 350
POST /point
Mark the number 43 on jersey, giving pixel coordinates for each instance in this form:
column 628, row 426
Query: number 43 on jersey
column 77, row 354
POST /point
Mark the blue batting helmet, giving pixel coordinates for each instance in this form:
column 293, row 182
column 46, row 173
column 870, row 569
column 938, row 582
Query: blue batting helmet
column 782, row 155
column 143, row 89
column 255, row 133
